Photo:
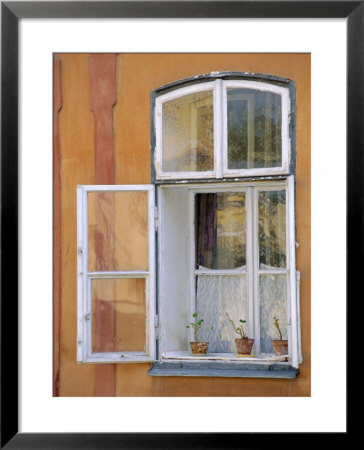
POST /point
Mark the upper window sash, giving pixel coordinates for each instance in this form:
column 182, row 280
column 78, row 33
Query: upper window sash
column 162, row 172
column 249, row 91
column 263, row 108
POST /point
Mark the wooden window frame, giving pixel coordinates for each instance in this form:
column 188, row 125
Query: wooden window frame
column 252, row 269
column 219, row 88
column 85, row 277
column 267, row 179
column 283, row 169
column 158, row 155
column 84, row 344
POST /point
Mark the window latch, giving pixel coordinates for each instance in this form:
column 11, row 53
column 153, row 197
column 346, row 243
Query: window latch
column 156, row 218
column 156, row 326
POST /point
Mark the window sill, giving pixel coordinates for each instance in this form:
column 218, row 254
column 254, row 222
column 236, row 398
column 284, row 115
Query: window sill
column 222, row 357
column 222, row 365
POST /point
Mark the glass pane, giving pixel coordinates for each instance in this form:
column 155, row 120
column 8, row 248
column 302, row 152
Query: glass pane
column 220, row 230
column 217, row 295
column 254, row 129
column 118, row 314
column 118, row 230
column 272, row 229
column 188, row 137
column 273, row 302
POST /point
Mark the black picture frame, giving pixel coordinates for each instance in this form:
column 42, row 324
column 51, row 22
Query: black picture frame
column 11, row 12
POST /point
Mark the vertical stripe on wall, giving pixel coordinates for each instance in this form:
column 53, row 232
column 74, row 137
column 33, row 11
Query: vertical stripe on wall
column 57, row 106
column 102, row 74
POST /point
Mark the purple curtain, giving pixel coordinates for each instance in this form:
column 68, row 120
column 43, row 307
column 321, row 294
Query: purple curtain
column 206, row 230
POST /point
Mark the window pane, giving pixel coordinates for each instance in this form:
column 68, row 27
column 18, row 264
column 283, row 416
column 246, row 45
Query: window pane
column 188, row 138
column 118, row 230
column 217, row 295
column 220, row 230
column 272, row 229
column 273, row 302
column 254, row 129
column 118, row 315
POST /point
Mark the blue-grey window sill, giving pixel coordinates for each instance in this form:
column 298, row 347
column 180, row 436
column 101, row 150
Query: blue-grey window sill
column 222, row 369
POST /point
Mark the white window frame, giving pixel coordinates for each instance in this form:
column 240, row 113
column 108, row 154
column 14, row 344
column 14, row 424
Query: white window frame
column 252, row 270
column 252, row 188
column 264, row 87
column 158, row 156
column 85, row 277
column 219, row 88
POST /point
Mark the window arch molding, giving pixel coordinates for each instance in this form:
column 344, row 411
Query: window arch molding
column 226, row 97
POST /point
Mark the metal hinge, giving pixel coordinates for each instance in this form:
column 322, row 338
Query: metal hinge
column 87, row 316
column 156, row 218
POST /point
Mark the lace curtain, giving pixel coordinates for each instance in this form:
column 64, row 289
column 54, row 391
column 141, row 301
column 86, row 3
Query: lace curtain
column 273, row 302
column 216, row 296
column 221, row 245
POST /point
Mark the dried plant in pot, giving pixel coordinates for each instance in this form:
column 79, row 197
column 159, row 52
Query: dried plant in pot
column 243, row 344
column 197, row 347
column 280, row 346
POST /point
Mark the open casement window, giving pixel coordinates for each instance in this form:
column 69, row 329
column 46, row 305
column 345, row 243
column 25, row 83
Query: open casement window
column 116, row 275
column 222, row 128
column 227, row 248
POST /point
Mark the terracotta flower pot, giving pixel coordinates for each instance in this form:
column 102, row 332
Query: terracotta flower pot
column 280, row 347
column 199, row 348
column 244, row 346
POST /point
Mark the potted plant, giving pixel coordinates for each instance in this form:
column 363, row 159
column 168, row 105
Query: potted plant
column 197, row 348
column 280, row 345
column 243, row 344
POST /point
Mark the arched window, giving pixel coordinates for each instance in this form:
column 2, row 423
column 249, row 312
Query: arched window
column 233, row 126
column 218, row 239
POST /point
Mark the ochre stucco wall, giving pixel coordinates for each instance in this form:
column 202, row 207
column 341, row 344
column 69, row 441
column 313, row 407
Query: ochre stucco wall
column 136, row 76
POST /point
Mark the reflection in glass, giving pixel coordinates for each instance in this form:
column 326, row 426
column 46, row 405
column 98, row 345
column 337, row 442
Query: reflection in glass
column 188, row 137
column 118, row 314
column 273, row 302
column 254, row 129
column 217, row 295
column 272, row 229
column 220, row 230
column 118, row 230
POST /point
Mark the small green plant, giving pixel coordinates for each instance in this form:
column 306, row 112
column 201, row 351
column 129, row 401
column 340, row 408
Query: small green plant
column 276, row 324
column 239, row 330
column 196, row 325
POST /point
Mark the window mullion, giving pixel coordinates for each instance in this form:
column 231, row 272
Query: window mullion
column 192, row 257
column 256, row 297
column 218, row 128
column 250, row 250
column 291, row 266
